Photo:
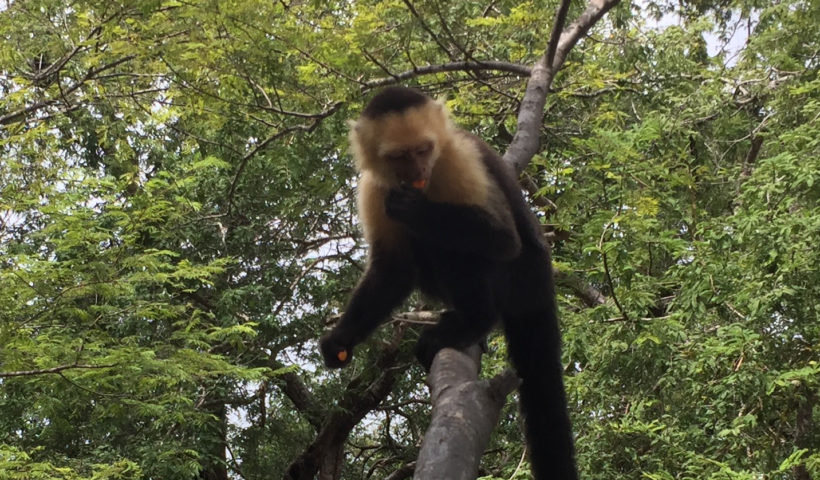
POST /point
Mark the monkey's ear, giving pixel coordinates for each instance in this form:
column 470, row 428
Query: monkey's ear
column 441, row 108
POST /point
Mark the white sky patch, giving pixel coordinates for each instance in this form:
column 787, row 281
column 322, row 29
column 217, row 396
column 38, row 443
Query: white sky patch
column 738, row 30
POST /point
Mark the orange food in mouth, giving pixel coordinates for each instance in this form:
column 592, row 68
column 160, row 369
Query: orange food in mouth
column 419, row 184
column 342, row 355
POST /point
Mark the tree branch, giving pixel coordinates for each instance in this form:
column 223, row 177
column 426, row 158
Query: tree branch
column 301, row 397
column 595, row 10
column 427, row 28
column 557, row 28
column 309, row 127
column 545, row 203
column 362, row 395
column 526, row 141
column 463, row 66
column 53, row 370
column 465, row 411
column 591, row 296
column 20, row 114
column 404, row 472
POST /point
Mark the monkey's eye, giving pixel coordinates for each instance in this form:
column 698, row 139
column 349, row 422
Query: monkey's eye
column 424, row 148
column 394, row 157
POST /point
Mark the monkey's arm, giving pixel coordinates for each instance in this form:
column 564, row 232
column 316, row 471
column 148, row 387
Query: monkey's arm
column 386, row 283
column 490, row 233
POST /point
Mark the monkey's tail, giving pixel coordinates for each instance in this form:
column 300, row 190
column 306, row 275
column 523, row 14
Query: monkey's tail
column 534, row 344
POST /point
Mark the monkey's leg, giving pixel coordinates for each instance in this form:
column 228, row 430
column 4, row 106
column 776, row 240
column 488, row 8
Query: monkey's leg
column 387, row 282
column 534, row 345
column 471, row 320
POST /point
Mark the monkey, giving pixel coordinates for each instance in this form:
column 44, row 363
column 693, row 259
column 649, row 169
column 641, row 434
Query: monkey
column 443, row 213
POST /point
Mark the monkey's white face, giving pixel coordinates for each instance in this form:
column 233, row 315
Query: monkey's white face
column 410, row 164
column 401, row 149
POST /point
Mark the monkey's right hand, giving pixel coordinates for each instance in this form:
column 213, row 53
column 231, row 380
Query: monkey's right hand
column 337, row 354
column 404, row 204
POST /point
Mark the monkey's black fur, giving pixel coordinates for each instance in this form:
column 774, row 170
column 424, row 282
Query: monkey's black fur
column 485, row 270
column 394, row 99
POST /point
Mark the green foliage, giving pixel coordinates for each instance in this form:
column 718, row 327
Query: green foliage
column 15, row 464
column 176, row 224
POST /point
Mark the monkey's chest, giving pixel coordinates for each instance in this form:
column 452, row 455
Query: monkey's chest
column 440, row 270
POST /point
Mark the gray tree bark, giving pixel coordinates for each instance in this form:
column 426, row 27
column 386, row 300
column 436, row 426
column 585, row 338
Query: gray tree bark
column 465, row 411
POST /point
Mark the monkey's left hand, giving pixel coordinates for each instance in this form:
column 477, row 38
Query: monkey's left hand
column 404, row 204
column 336, row 353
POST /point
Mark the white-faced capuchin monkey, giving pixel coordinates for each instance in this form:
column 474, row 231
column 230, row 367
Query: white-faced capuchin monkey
column 442, row 212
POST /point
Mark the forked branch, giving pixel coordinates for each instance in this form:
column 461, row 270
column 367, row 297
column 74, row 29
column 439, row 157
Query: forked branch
column 526, row 141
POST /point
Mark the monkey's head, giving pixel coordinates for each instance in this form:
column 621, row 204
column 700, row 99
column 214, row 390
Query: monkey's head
column 399, row 137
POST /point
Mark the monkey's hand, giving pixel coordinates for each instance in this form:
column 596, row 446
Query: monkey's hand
column 404, row 204
column 337, row 354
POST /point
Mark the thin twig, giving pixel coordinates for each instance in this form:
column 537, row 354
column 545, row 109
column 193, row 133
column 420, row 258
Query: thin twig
column 264, row 143
column 18, row 115
column 462, row 66
column 427, row 28
column 47, row 371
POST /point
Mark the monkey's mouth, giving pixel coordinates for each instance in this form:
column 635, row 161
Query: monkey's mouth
column 419, row 184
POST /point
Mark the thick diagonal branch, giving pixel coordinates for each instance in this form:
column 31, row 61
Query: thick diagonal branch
column 465, row 411
column 302, row 398
column 324, row 456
